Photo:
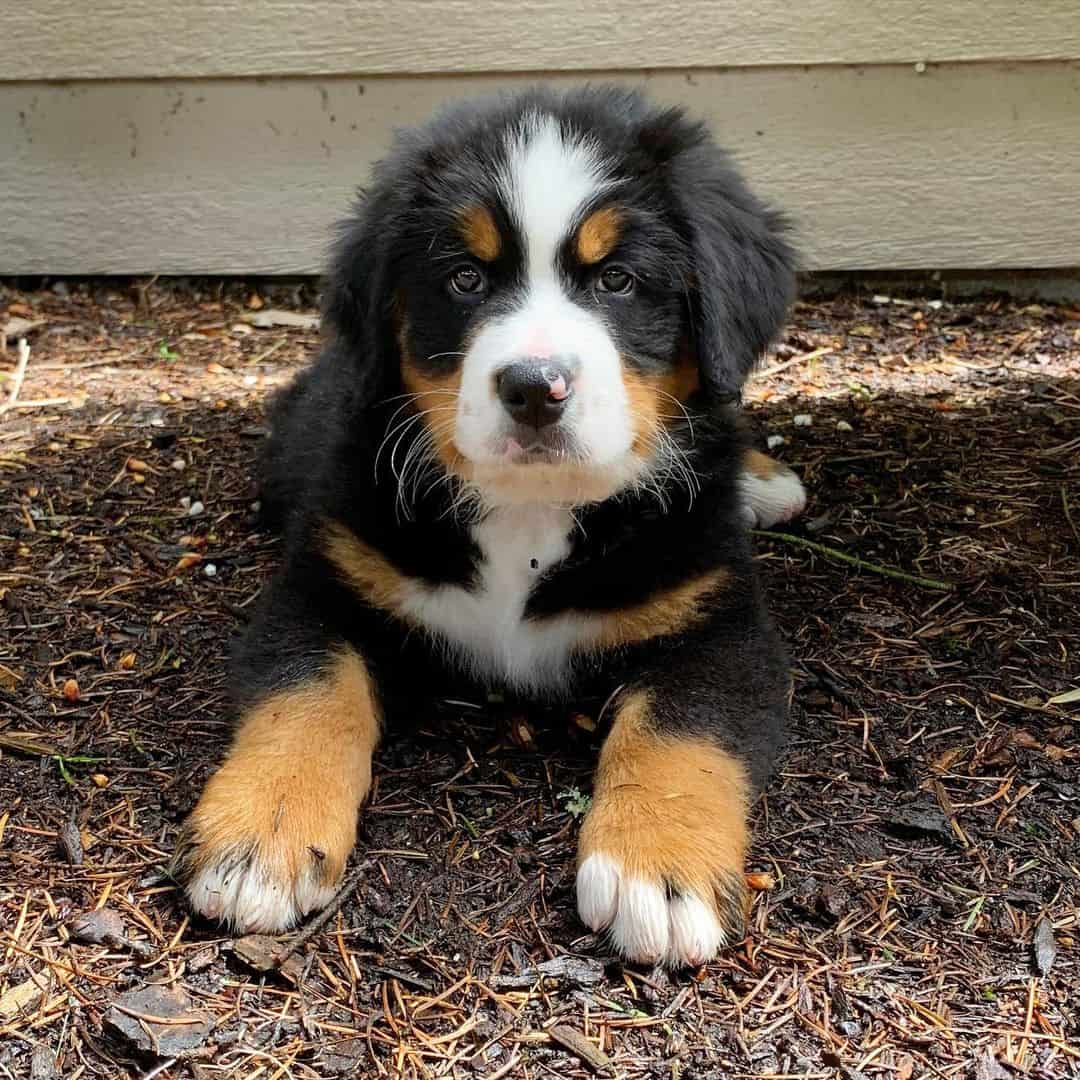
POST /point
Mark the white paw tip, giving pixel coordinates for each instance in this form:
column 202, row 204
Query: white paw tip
column 767, row 501
column 696, row 933
column 597, row 891
column 641, row 928
column 250, row 899
column 646, row 924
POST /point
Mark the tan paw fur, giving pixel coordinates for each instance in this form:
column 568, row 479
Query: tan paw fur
column 660, row 860
column 268, row 840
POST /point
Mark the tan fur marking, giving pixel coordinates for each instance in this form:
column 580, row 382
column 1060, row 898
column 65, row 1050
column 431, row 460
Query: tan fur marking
column 480, row 233
column 369, row 572
column 650, row 398
column 598, row 235
column 669, row 808
column 436, row 398
column 292, row 784
column 667, row 612
column 381, row 584
column 761, row 465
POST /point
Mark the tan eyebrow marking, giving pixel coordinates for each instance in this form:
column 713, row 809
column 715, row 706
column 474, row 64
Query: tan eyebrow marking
column 598, row 235
column 480, row 233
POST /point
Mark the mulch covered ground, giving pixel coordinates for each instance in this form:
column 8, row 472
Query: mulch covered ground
column 917, row 859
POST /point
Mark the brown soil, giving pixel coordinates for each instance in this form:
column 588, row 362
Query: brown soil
column 918, row 853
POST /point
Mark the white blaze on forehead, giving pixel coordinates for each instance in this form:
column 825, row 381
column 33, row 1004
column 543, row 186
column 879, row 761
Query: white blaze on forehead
column 549, row 177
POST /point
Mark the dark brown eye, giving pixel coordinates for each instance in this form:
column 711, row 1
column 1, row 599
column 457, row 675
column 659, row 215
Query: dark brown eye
column 467, row 281
column 615, row 280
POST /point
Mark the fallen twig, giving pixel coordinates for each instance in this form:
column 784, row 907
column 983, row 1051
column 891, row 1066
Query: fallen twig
column 854, row 560
column 798, row 359
column 299, row 940
column 22, row 359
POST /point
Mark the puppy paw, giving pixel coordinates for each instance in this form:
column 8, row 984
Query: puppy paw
column 661, row 855
column 771, row 493
column 257, row 856
column 651, row 918
column 268, row 841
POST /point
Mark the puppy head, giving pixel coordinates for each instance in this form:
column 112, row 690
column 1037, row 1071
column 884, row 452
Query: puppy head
column 550, row 278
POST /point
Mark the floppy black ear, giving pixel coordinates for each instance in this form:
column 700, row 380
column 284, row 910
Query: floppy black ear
column 743, row 272
column 357, row 302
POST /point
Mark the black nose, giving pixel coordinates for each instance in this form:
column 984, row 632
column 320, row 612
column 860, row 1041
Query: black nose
column 534, row 392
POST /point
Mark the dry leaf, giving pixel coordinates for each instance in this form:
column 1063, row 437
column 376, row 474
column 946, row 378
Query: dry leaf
column 159, row 1020
column 947, row 759
column 760, row 882
column 101, row 926
column 1066, row 698
column 1044, row 946
column 1023, row 738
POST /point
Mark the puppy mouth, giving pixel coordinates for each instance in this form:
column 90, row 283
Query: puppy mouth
column 528, row 447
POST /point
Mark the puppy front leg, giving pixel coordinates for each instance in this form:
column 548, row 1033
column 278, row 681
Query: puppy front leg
column 268, row 841
column 662, row 849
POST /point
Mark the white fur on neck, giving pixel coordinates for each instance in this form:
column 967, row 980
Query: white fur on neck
column 485, row 625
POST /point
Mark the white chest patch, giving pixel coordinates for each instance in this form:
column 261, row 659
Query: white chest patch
column 484, row 626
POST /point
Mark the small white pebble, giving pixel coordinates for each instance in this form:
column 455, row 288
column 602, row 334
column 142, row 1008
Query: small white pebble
column 256, row 506
column 881, row 299
column 935, row 305
column 195, row 509
column 773, row 441
column 179, row 464
column 969, row 511
column 250, row 380
column 802, row 420
column 843, row 425
column 185, row 501
column 209, row 569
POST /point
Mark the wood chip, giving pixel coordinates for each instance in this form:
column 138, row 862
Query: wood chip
column 263, row 953
column 577, row 1044
column 21, row 997
column 70, row 840
column 266, row 320
column 17, row 327
column 1044, row 946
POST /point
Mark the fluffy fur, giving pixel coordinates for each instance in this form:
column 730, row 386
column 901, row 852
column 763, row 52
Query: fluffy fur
column 518, row 464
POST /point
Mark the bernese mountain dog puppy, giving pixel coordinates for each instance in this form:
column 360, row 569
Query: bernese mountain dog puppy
column 518, row 465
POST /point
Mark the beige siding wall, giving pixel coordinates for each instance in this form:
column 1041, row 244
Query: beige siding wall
column 144, row 159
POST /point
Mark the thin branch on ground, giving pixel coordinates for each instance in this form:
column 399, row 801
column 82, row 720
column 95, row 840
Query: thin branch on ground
column 22, row 359
column 854, row 560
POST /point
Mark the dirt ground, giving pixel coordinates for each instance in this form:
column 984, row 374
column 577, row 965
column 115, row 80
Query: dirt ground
column 917, row 857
